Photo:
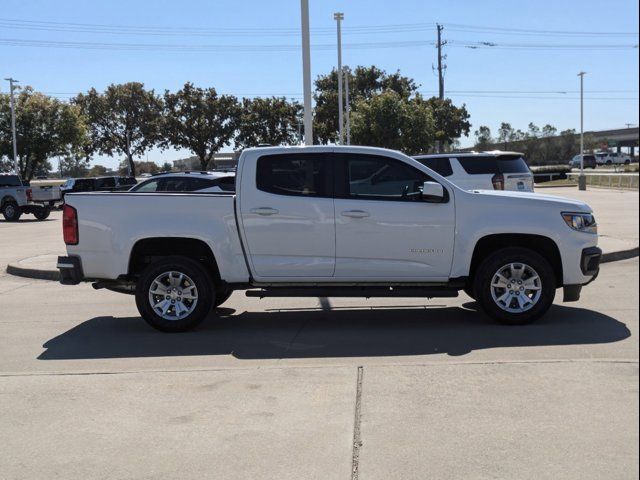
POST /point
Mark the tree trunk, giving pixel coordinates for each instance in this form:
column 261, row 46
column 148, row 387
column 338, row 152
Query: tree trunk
column 132, row 166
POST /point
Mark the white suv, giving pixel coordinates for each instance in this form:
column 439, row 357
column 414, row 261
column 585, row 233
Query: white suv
column 494, row 170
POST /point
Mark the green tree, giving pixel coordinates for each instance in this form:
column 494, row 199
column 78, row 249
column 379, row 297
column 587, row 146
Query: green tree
column 124, row 120
column 450, row 122
column 505, row 134
column 74, row 166
column 391, row 121
column 364, row 83
column 140, row 167
column 97, row 171
column 273, row 120
column 166, row 167
column 45, row 127
column 200, row 120
column 483, row 138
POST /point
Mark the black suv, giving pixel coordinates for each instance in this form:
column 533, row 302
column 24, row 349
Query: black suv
column 100, row 184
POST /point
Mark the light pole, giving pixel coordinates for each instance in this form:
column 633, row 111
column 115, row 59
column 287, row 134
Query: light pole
column 346, row 101
column 582, row 180
column 306, row 72
column 338, row 17
column 13, row 125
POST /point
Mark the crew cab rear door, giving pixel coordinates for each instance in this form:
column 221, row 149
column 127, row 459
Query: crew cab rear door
column 287, row 216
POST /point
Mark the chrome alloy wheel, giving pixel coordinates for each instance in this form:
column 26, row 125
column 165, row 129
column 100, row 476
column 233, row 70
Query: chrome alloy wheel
column 516, row 287
column 173, row 295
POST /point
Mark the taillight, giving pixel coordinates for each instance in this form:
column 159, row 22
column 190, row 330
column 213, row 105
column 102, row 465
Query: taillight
column 29, row 195
column 498, row 181
column 70, row 225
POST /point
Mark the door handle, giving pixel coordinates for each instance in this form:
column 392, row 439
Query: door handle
column 264, row 211
column 355, row 213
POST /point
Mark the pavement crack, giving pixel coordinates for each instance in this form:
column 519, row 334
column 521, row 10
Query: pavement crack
column 357, row 440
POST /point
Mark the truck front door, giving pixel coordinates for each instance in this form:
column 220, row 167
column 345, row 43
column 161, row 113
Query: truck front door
column 385, row 230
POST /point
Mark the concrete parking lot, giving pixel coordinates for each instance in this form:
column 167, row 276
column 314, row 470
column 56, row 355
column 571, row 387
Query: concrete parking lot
column 303, row 388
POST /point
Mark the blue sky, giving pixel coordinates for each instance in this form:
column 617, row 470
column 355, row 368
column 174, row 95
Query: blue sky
column 489, row 80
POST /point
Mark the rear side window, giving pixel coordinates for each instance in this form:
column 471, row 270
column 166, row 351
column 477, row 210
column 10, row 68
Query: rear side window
column 438, row 165
column 108, row 182
column 178, row 184
column 294, row 174
column 10, row 181
column 493, row 165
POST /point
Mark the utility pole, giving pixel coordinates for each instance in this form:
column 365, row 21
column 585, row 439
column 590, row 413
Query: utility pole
column 346, row 101
column 306, row 72
column 441, row 67
column 13, row 125
column 582, row 180
column 338, row 17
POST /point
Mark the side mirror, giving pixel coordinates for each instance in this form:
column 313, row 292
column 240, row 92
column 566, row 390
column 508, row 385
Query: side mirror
column 432, row 192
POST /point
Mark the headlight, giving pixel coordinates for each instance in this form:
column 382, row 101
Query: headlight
column 582, row 222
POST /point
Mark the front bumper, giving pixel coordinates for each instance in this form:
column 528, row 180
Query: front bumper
column 70, row 270
column 590, row 267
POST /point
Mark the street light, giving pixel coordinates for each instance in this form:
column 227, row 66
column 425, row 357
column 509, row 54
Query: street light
column 13, row 125
column 582, row 180
column 338, row 17
column 306, row 72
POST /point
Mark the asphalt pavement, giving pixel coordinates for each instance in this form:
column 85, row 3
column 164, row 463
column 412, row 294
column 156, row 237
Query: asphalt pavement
column 298, row 388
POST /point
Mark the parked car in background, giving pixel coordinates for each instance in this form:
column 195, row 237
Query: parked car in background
column 201, row 182
column 99, row 184
column 612, row 158
column 589, row 161
column 16, row 198
column 496, row 170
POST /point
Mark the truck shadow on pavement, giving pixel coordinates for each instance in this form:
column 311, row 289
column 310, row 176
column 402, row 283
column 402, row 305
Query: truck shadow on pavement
column 339, row 332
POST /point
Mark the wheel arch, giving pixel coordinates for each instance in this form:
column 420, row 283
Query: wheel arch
column 146, row 250
column 7, row 199
column 540, row 244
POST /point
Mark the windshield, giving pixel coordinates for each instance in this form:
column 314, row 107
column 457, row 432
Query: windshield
column 10, row 181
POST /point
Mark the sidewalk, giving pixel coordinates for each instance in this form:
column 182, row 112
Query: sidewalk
column 30, row 248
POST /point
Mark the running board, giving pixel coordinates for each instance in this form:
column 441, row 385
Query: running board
column 367, row 292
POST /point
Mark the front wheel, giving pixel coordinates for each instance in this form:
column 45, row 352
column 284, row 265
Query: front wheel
column 175, row 294
column 515, row 286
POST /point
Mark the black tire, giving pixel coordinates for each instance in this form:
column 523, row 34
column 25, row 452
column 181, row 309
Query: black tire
column 11, row 211
column 221, row 297
column 497, row 260
column 201, row 279
column 627, row 162
column 609, row 162
column 42, row 213
column 469, row 291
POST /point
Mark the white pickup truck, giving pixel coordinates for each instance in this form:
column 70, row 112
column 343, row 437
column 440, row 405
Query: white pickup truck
column 330, row 221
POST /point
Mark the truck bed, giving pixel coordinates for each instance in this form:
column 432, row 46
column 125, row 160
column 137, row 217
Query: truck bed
column 110, row 224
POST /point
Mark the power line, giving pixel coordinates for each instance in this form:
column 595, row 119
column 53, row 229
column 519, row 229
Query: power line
column 166, row 47
column 94, row 28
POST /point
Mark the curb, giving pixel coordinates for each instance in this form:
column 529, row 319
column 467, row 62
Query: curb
column 54, row 275
column 34, row 273
column 620, row 255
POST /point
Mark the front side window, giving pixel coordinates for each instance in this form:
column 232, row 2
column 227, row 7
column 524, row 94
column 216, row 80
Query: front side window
column 304, row 174
column 372, row 177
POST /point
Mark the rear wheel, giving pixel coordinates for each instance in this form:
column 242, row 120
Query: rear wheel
column 175, row 294
column 11, row 211
column 42, row 213
column 515, row 286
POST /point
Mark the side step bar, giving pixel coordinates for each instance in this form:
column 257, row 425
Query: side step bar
column 367, row 292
